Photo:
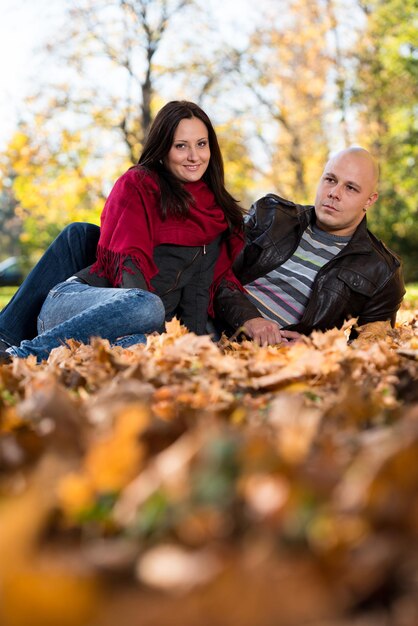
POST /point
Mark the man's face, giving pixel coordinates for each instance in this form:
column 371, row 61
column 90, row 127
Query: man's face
column 346, row 188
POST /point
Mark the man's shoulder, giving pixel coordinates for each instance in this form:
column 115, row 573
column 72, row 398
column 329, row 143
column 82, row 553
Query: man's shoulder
column 272, row 208
column 383, row 251
column 272, row 201
column 273, row 216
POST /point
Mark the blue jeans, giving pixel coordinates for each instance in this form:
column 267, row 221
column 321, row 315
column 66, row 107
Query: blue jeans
column 72, row 250
column 75, row 310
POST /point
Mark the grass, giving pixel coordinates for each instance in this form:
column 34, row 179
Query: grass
column 5, row 295
column 410, row 301
column 411, row 298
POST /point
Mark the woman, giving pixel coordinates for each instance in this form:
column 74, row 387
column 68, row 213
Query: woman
column 169, row 234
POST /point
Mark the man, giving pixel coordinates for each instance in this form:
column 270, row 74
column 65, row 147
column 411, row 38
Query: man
column 303, row 267
column 307, row 268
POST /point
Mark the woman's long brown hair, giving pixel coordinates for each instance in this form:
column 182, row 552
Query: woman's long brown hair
column 175, row 200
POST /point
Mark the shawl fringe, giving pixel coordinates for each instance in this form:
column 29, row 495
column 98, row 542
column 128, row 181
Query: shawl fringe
column 111, row 265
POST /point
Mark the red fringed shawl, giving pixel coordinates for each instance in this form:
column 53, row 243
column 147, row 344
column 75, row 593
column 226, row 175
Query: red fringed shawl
column 132, row 225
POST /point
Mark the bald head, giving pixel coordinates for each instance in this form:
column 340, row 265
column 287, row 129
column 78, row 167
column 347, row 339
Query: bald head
column 347, row 189
column 365, row 161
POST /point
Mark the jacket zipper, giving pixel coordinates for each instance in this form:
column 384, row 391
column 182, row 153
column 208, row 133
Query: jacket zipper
column 180, row 272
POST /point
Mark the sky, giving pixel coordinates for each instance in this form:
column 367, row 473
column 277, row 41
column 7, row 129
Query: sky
column 23, row 27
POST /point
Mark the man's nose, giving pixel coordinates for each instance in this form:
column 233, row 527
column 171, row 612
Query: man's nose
column 335, row 192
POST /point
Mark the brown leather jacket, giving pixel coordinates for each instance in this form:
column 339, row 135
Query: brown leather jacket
column 364, row 280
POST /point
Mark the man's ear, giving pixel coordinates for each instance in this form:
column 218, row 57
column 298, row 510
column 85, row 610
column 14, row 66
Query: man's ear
column 371, row 200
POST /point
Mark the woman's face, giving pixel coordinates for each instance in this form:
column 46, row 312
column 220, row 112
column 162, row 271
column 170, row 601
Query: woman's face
column 189, row 155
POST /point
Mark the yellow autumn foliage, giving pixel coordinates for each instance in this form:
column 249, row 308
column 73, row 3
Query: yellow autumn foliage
column 184, row 476
column 110, row 463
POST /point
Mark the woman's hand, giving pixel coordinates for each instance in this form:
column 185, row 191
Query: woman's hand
column 266, row 332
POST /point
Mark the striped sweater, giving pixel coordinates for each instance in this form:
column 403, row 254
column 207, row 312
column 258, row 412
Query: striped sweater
column 282, row 295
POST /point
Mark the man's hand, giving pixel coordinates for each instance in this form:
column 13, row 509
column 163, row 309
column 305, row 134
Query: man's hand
column 266, row 332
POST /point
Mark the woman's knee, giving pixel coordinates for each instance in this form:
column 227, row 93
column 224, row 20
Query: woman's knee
column 82, row 239
column 147, row 306
column 74, row 230
column 156, row 307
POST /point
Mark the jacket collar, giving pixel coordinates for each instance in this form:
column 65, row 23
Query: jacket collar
column 360, row 240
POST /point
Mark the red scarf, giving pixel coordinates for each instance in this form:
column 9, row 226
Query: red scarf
column 132, row 225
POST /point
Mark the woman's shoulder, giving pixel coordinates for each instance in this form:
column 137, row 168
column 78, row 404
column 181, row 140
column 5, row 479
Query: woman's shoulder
column 139, row 177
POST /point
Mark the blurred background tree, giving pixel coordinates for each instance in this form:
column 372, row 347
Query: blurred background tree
column 285, row 82
column 385, row 97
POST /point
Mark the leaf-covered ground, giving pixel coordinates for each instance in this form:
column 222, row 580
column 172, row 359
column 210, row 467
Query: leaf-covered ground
column 202, row 484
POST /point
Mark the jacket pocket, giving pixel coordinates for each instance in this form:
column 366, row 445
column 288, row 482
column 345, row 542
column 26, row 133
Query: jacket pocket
column 357, row 282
